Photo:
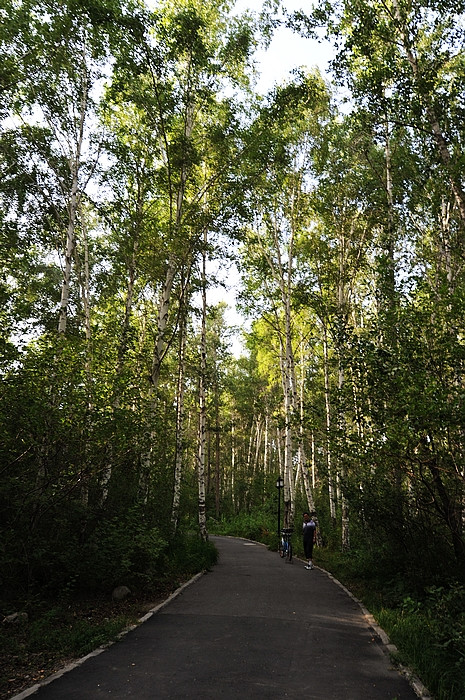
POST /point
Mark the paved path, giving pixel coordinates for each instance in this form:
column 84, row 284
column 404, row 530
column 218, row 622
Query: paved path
column 254, row 627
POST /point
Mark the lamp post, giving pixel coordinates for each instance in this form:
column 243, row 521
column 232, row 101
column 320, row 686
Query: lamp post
column 279, row 486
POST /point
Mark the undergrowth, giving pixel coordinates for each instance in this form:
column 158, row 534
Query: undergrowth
column 253, row 526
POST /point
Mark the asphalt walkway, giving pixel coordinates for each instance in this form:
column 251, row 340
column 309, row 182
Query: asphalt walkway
column 255, row 627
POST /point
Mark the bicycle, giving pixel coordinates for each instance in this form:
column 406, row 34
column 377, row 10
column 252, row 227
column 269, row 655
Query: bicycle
column 285, row 544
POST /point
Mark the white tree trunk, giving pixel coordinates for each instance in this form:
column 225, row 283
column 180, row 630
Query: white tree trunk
column 202, row 405
column 233, row 464
column 302, row 455
column 266, row 446
column 342, row 304
column 162, row 323
column 72, row 207
column 84, row 282
column 331, row 491
column 172, row 269
column 179, row 427
column 289, row 500
column 313, row 461
column 345, row 531
column 436, row 130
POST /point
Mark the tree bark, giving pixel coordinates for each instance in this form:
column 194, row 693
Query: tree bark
column 72, row 206
column 329, row 465
column 161, row 344
column 179, row 425
column 202, row 404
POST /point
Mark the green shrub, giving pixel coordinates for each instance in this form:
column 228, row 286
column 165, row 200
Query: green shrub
column 260, row 525
column 430, row 645
column 187, row 555
column 120, row 550
column 76, row 625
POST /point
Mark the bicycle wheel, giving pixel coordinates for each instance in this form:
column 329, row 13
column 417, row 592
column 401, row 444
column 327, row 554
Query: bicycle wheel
column 289, row 551
column 281, row 549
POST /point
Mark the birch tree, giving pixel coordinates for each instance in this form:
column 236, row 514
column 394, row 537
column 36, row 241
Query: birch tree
column 408, row 56
column 202, row 433
column 189, row 54
column 55, row 110
column 280, row 200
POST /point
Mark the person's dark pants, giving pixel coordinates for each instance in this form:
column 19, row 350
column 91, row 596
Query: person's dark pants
column 308, row 549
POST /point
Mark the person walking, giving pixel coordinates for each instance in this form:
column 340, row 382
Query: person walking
column 309, row 538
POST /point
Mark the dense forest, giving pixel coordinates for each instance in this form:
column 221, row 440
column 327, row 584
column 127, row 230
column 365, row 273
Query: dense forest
column 135, row 158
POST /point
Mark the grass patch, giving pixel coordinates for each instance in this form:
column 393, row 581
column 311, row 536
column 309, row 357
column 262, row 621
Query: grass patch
column 417, row 637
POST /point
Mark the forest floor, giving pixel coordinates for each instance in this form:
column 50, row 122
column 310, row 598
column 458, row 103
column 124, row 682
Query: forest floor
column 27, row 658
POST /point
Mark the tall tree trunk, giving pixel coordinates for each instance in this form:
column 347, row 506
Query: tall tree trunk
column 289, row 500
column 329, row 465
column 179, row 423
column 302, row 453
column 217, row 455
column 265, row 445
column 84, row 280
column 128, row 305
column 202, row 402
column 445, row 246
column 345, row 521
column 279, row 441
column 441, row 142
column 313, row 461
column 161, row 343
column 72, row 207
column 258, row 443
column 233, row 464
column 342, row 307
column 284, row 278
column 386, row 271
column 84, row 283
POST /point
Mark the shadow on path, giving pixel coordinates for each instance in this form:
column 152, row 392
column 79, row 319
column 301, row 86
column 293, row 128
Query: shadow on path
column 255, row 627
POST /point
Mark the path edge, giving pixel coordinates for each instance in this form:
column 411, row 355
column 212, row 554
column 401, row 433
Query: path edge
column 420, row 689
column 78, row 662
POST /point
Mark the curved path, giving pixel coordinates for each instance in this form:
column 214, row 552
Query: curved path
column 254, row 627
